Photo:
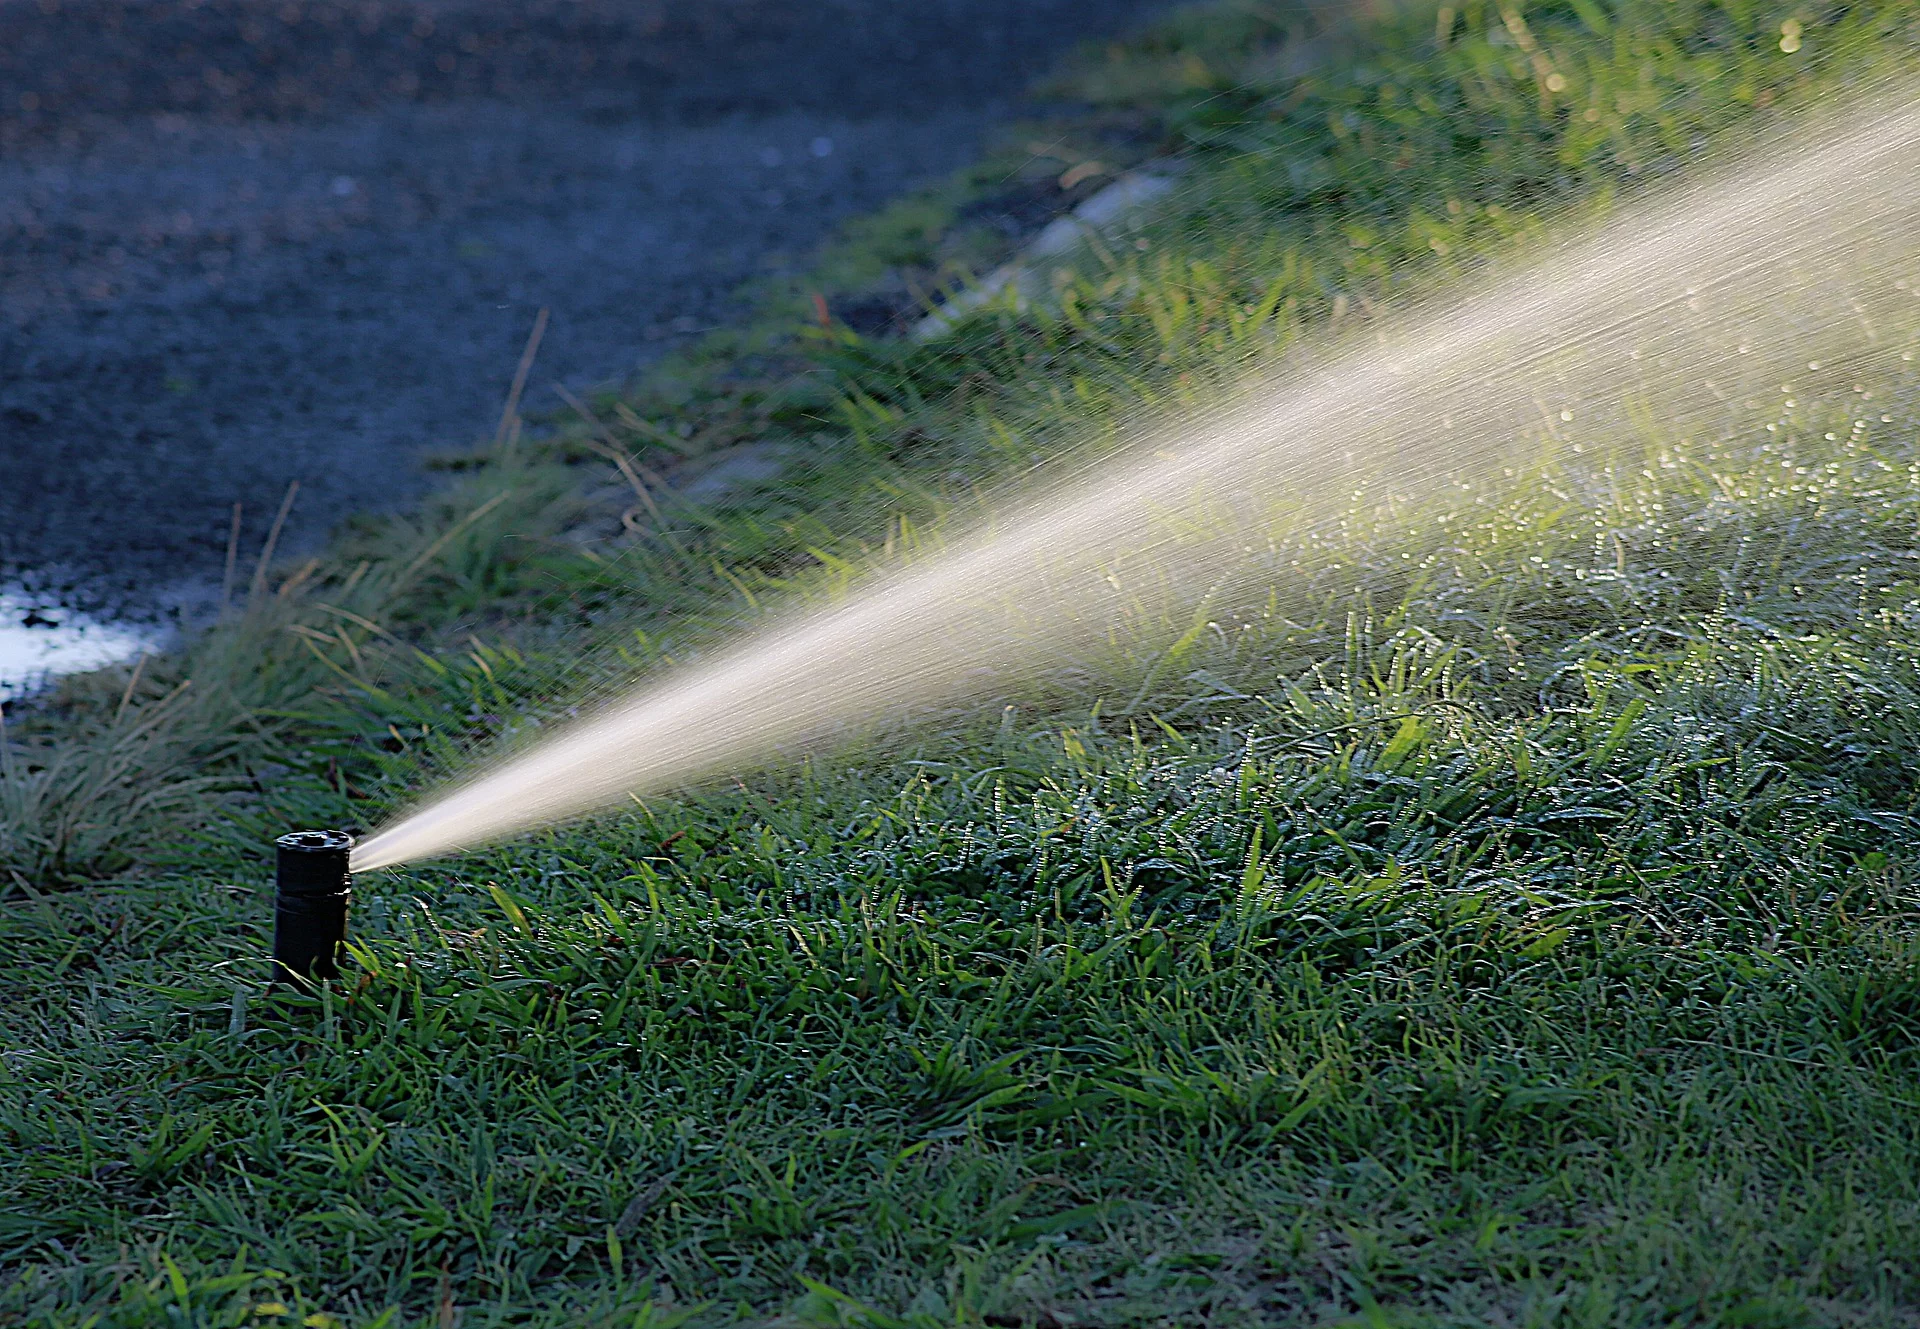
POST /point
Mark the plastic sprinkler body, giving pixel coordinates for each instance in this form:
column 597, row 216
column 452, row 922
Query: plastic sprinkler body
column 311, row 888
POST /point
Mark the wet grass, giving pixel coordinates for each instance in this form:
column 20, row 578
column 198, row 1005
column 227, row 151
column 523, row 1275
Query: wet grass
column 1509, row 918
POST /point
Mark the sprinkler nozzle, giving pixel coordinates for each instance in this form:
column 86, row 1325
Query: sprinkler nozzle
column 312, row 885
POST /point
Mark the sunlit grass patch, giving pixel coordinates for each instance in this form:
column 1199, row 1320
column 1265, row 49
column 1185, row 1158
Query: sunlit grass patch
column 1518, row 917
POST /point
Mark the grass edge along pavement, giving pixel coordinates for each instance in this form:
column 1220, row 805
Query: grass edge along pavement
column 1518, row 928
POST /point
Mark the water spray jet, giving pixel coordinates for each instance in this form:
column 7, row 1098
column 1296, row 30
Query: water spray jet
column 313, row 884
column 1676, row 310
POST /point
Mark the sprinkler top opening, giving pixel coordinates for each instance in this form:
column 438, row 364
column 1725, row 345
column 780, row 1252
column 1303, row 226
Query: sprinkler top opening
column 315, row 841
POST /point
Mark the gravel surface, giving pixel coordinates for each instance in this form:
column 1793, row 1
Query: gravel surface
column 247, row 243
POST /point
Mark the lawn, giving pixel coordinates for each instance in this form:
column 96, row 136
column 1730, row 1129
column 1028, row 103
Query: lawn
column 1506, row 917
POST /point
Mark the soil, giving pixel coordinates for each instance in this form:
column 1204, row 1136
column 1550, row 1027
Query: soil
column 246, row 242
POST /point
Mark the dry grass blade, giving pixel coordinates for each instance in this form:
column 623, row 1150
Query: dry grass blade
column 265, row 561
column 428, row 554
column 509, row 430
column 233, row 556
column 606, row 447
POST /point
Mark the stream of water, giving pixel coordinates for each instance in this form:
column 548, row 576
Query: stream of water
column 1794, row 264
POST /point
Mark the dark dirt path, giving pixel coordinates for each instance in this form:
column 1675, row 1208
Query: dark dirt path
column 249, row 241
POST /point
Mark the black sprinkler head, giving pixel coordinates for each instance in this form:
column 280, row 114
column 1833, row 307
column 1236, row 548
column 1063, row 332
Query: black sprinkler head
column 311, row 888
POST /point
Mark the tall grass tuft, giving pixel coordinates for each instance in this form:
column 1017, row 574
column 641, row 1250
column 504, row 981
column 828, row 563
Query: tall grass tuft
column 104, row 763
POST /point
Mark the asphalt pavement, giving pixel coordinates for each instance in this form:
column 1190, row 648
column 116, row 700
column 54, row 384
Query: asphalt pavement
column 245, row 242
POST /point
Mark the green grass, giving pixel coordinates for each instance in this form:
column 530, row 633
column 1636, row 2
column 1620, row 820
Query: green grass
column 1513, row 925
